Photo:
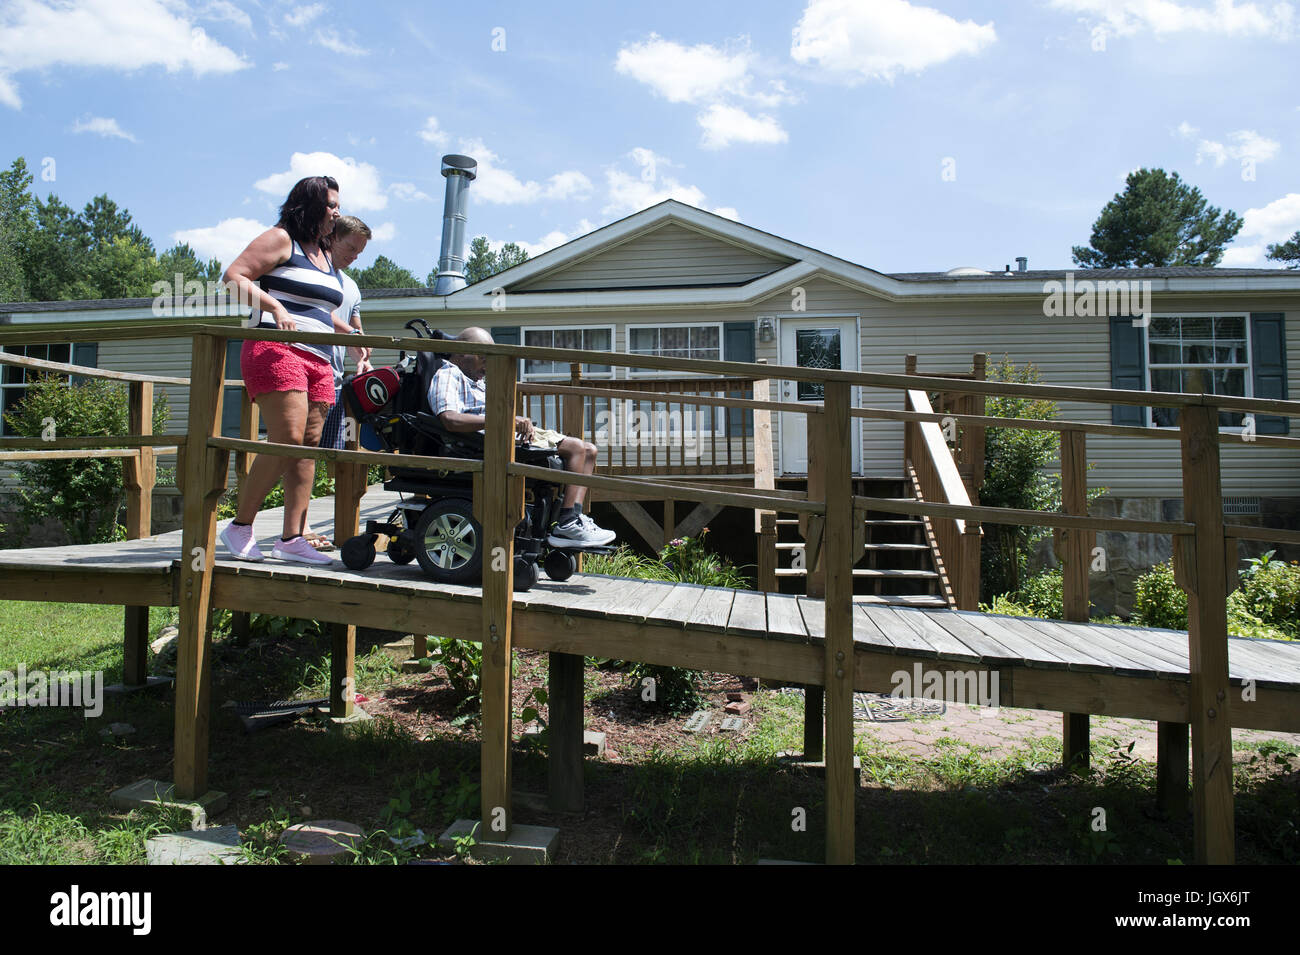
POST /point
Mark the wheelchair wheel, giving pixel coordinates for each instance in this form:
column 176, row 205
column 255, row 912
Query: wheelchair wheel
column 359, row 552
column 449, row 542
column 400, row 551
column 526, row 573
column 560, row 565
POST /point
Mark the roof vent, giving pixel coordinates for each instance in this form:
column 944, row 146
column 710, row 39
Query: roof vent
column 965, row 270
column 460, row 172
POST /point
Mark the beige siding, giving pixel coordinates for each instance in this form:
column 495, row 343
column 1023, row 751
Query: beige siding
column 669, row 255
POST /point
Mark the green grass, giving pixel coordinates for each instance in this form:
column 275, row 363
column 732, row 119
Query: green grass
column 50, row 636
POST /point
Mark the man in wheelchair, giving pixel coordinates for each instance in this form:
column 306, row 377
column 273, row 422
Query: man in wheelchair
column 457, row 396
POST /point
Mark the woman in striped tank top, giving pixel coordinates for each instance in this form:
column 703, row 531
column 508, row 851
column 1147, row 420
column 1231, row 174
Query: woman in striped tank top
column 288, row 275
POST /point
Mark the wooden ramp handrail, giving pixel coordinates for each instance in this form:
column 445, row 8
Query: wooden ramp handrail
column 954, row 539
column 86, row 371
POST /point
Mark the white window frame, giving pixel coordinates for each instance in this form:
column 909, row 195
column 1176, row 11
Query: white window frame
column 534, row 376
column 26, row 373
column 663, row 373
column 1249, row 365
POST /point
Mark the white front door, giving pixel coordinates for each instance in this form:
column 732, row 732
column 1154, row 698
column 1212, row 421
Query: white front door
column 813, row 343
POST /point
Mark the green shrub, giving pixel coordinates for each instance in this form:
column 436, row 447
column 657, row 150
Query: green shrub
column 1044, row 595
column 86, row 495
column 463, row 662
column 1159, row 601
column 1271, row 592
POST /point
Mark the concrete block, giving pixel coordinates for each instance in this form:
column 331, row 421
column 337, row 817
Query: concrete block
column 525, row 845
column 593, row 743
column 738, row 708
column 321, row 842
column 153, row 792
column 151, row 683
column 219, row 846
column 358, row 716
column 818, row 768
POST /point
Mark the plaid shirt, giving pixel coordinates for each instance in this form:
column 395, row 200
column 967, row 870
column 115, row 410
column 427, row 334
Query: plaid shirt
column 451, row 390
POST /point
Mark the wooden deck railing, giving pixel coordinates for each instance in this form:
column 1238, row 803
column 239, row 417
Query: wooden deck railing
column 829, row 505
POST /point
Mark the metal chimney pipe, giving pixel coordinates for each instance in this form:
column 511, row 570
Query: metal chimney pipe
column 460, row 172
column 1022, row 263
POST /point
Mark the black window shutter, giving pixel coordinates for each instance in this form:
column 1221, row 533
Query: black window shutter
column 738, row 345
column 1268, row 367
column 85, row 354
column 508, row 335
column 232, row 399
column 1128, row 368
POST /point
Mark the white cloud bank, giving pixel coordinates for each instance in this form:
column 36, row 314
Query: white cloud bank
column 854, row 41
column 102, row 126
column 360, row 189
column 1275, row 222
column 104, row 34
column 1221, row 17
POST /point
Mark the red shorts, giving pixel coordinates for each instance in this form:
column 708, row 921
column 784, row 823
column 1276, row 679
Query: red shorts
column 275, row 366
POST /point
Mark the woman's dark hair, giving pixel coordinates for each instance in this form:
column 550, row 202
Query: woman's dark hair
column 303, row 211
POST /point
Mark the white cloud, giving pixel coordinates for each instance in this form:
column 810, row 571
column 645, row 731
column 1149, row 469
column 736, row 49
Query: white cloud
column 631, row 193
column 1221, row 17
column 304, row 15
column 359, row 185
column 224, row 10
column 223, row 241
column 104, row 34
column 331, row 40
column 102, row 126
column 724, row 125
column 408, row 192
column 498, row 185
column 877, row 40
column 431, row 133
column 279, row 65
column 1275, row 222
column 683, row 74
column 1242, row 144
column 383, row 233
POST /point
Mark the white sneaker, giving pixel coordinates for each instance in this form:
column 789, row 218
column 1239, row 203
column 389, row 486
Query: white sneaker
column 297, row 550
column 580, row 532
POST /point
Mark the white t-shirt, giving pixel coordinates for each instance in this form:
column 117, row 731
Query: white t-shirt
column 350, row 310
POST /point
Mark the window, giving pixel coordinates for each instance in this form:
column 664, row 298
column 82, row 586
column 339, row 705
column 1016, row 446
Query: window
column 589, row 338
column 1195, row 354
column 14, row 378
column 673, row 341
column 546, row 409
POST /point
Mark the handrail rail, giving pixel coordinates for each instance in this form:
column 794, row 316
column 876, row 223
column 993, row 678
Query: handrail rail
column 945, row 468
column 1105, row 396
column 85, row 371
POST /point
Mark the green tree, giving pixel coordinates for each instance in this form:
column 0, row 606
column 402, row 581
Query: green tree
column 17, row 222
column 123, row 268
column 57, row 254
column 84, row 494
column 1288, row 251
column 484, row 263
column 181, row 259
column 1158, row 221
column 385, row 273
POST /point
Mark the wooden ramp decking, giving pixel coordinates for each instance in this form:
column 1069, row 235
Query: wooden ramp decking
column 1136, row 672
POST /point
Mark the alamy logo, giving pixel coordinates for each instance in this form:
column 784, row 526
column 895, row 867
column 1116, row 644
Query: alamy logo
column 72, row 688
column 1087, row 299
column 957, row 686
column 74, row 908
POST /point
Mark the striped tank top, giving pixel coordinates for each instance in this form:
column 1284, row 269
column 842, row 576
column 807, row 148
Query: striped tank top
column 309, row 295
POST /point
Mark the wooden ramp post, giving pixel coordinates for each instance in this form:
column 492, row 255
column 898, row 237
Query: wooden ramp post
column 349, row 486
column 498, row 589
column 139, row 474
column 815, row 577
column 838, row 560
column 203, row 480
column 1075, row 552
column 249, row 424
column 1207, row 624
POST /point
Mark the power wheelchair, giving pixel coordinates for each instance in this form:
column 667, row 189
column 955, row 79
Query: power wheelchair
column 435, row 525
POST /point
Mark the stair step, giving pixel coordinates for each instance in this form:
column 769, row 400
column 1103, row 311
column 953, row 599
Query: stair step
column 866, row 572
column 902, row 600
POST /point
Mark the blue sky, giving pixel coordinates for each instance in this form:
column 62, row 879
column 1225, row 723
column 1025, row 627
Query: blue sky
column 905, row 136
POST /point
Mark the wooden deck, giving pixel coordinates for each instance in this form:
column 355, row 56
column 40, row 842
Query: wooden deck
column 1136, row 672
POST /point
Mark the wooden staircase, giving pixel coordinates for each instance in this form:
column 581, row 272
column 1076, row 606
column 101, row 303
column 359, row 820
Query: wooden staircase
column 896, row 565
